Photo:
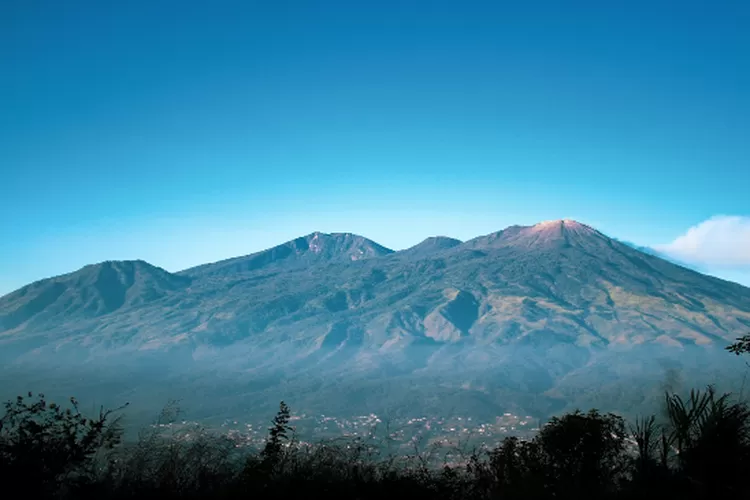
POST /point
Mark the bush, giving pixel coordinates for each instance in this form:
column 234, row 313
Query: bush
column 700, row 451
column 45, row 449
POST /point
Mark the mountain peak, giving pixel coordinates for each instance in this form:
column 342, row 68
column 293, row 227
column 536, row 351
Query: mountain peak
column 316, row 247
column 562, row 226
column 561, row 223
column 552, row 233
column 443, row 241
column 352, row 246
column 91, row 291
column 431, row 245
column 117, row 264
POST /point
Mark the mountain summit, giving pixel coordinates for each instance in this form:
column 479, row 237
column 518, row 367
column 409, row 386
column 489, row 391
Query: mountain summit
column 92, row 291
column 315, row 248
column 431, row 245
column 548, row 234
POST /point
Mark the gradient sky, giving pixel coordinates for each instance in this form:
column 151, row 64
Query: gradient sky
column 186, row 132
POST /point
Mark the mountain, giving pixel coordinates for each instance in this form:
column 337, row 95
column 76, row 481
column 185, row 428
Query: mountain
column 430, row 246
column 557, row 279
column 531, row 314
column 91, row 292
column 315, row 248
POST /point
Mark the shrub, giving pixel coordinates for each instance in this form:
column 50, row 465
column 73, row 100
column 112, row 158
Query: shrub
column 45, row 448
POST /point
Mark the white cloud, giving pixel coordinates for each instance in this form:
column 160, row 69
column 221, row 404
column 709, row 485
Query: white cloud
column 722, row 241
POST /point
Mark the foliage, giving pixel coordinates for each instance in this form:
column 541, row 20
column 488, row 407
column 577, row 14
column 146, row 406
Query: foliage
column 584, row 452
column 46, row 447
column 277, row 435
column 181, row 461
column 710, row 435
column 699, row 451
column 575, row 455
column 742, row 345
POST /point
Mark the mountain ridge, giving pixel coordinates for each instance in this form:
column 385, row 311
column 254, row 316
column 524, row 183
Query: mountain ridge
column 443, row 242
column 316, row 246
column 556, row 279
column 431, row 245
column 540, row 316
column 91, row 291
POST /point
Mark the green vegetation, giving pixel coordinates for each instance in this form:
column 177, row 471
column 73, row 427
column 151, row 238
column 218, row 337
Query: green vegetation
column 698, row 449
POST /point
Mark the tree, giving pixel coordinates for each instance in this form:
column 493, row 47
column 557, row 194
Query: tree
column 44, row 445
column 711, row 437
column 578, row 455
column 518, row 468
column 277, row 434
column 647, row 438
column 742, row 345
column 584, row 452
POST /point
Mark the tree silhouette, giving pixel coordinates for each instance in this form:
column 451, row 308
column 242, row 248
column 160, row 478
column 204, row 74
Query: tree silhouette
column 711, row 437
column 277, row 434
column 701, row 450
column 584, row 452
column 742, row 345
column 647, row 461
column 578, row 455
column 44, row 445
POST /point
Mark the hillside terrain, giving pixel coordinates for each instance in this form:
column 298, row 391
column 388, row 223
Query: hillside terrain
column 535, row 315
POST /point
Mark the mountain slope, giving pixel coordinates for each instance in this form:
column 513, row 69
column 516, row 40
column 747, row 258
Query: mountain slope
column 538, row 316
column 554, row 282
column 90, row 292
column 661, row 255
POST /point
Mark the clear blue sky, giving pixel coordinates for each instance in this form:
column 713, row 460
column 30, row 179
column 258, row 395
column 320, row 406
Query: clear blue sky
column 185, row 132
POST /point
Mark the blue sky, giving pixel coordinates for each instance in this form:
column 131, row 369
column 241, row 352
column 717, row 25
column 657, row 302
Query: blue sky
column 187, row 132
